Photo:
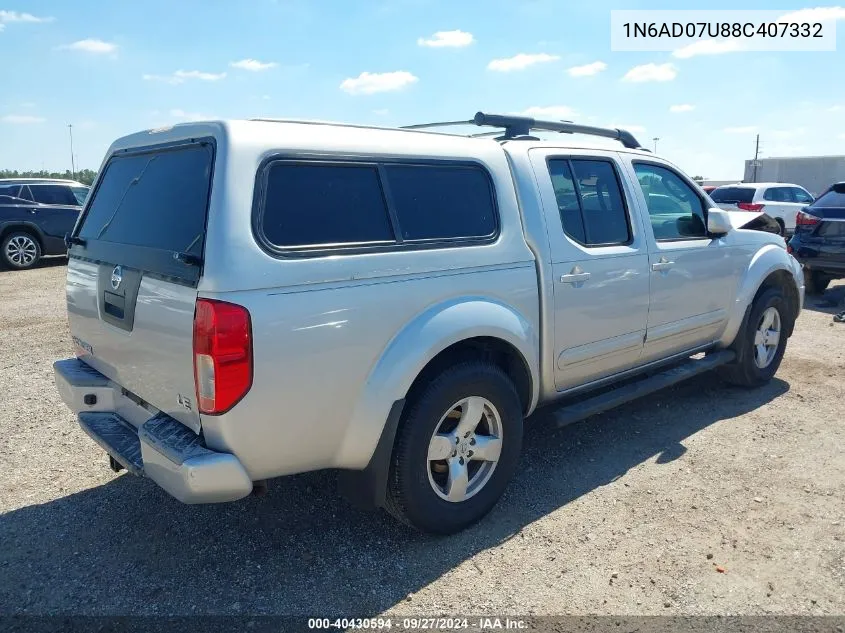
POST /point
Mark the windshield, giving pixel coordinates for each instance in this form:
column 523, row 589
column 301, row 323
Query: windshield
column 732, row 194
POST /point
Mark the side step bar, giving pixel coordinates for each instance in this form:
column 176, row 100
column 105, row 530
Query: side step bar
column 606, row 400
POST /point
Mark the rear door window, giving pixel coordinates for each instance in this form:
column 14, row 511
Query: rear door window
column 590, row 202
column 53, row 194
column 800, row 195
column 778, row 194
column 729, row 195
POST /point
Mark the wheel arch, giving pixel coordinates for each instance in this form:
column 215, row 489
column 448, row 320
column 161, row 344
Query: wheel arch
column 770, row 267
column 473, row 327
column 25, row 227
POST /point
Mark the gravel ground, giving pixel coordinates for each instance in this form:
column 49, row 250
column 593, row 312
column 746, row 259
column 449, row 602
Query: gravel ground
column 705, row 499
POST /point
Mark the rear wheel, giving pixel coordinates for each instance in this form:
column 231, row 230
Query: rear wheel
column 782, row 227
column 20, row 250
column 815, row 282
column 457, row 448
column 761, row 343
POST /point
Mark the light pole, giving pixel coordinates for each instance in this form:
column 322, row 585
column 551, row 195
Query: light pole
column 72, row 164
column 655, row 139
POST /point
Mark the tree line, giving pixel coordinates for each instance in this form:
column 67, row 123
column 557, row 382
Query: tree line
column 85, row 176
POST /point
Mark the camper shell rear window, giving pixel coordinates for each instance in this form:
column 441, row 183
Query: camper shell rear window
column 149, row 210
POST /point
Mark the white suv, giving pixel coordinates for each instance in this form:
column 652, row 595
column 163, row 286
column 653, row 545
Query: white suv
column 780, row 200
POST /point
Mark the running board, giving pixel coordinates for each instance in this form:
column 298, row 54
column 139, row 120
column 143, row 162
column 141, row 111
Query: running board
column 639, row 387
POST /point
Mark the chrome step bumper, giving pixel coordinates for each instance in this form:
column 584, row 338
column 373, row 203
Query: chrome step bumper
column 161, row 448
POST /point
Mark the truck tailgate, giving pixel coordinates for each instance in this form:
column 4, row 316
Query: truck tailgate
column 153, row 358
column 133, row 270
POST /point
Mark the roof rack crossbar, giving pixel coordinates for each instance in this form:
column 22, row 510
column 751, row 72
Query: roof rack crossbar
column 516, row 127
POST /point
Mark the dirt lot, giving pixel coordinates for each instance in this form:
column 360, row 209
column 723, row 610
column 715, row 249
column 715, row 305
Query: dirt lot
column 705, row 499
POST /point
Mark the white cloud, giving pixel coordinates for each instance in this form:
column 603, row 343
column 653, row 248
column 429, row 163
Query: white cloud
column 682, row 107
column 587, row 70
column 21, row 119
column 743, row 129
column 447, row 39
column 98, row 47
column 2, row 26
column 521, row 61
column 253, row 65
column 549, row 112
column 817, row 14
column 381, row 112
column 180, row 76
column 834, row 108
column 7, row 17
column 370, row 83
column 708, row 47
column 651, row 72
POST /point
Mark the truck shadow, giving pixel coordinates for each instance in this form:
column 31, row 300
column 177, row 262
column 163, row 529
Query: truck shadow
column 831, row 302
column 127, row 548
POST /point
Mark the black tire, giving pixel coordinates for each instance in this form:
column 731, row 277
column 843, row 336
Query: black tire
column 411, row 497
column 782, row 232
column 745, row 371
column 15, row 258
column 815, row 283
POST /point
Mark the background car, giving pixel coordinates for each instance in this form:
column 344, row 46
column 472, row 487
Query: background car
column 35, row 216
column 45, row 190
column 819, row 240
column 782, row 201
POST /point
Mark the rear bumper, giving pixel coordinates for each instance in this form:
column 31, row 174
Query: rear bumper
column 823, row 265
column 159, row 448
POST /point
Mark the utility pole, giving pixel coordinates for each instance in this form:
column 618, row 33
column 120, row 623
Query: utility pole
column 756, row 154
column 72, row 163
column 655, row 139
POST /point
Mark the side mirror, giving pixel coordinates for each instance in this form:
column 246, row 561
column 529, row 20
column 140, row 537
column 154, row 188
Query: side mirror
column 718, row 222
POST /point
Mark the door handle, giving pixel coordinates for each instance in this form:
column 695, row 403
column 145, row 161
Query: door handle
column 576, row 276
column 662, row 264
column 32, row 210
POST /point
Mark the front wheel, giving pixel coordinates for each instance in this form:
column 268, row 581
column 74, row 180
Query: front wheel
column 761, row 343
column 457, row 448
column 20, row 250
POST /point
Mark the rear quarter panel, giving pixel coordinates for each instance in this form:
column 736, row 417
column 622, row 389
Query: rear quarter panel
column 320, row 394
column 321, row 325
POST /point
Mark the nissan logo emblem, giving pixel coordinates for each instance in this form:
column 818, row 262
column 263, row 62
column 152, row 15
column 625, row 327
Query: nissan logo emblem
column 116, row 277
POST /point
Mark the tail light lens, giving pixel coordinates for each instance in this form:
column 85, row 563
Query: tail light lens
column 806, row 219
column 748, row 206
column 222, row 355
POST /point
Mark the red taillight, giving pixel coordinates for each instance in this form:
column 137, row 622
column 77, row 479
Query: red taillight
column 806, row 219
column 222, row 355
column 748, row 206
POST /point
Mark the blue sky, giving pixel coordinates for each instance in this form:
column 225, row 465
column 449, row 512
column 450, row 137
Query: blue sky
column 111, row 68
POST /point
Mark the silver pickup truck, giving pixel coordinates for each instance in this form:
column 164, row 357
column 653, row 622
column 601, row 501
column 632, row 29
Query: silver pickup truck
column 253, row 299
